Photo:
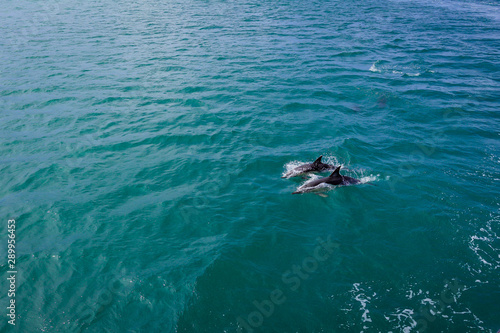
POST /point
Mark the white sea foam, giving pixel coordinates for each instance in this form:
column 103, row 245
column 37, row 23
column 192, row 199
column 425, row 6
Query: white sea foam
column 411, row 71
column 374, row 69
column 368, row 179
column 403, row 318
column 482, row 244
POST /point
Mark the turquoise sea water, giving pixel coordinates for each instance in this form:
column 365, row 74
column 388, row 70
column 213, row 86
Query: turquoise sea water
column 142, row 145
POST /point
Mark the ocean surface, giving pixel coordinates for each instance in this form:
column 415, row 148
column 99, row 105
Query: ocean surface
column 142, row 145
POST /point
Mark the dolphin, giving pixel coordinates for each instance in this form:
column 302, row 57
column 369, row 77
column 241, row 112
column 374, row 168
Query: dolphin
column 316, row 166
column 335, row 178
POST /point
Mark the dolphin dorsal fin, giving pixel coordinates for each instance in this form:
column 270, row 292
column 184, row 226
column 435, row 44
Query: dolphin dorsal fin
column 318, row 160
column 336, row 173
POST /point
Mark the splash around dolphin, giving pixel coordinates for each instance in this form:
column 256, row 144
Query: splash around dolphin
column 316, row 166
column 335, row 178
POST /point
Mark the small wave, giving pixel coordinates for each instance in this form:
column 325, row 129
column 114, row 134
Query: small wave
column 411, row 74
column 374, row 69
column 349, row 53
column 212, row 27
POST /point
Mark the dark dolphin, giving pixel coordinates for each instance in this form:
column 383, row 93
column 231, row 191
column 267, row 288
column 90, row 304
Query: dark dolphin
column 334, row 179
column 316, row 166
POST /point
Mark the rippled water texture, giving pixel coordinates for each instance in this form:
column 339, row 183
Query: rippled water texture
column 142, row 146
